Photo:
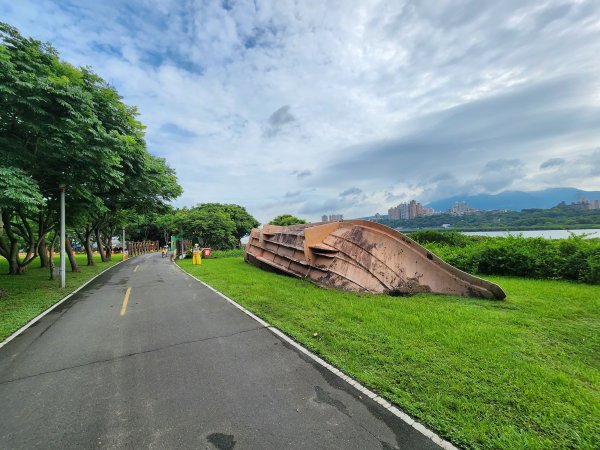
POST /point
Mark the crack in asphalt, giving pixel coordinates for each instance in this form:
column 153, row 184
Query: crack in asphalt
column 142, row 352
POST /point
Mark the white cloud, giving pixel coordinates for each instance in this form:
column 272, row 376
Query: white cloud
column 355, row 78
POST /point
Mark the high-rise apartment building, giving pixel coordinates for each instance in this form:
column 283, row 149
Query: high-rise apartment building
column 460, row 209
column 332, row 217
column 410, row 210
column 584, row 203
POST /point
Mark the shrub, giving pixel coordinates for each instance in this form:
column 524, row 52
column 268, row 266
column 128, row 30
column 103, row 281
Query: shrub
column 574, row 258
column 591, row 271
column 442, row 237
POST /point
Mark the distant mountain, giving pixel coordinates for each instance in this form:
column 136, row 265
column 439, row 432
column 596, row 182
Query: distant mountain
column 517, row 200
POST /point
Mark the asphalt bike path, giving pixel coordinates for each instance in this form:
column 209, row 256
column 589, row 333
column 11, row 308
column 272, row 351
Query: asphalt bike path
column 147, row 357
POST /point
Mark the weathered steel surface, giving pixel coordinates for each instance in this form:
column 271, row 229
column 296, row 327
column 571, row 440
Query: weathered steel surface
column 359, row 255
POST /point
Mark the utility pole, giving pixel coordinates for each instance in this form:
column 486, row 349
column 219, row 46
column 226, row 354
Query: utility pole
column 63, row 281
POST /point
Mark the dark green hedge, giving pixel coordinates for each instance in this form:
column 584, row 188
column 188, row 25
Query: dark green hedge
column 574, row 258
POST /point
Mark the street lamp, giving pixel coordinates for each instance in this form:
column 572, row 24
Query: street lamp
column 63, row 281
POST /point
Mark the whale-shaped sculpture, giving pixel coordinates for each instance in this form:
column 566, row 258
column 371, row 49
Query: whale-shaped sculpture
column 363, row 256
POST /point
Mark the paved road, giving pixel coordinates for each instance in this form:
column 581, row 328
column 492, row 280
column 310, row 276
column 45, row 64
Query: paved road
column 179, row 367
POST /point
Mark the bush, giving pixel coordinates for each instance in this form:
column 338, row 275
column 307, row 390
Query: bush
column 438, row 237
column 591, row 273
column 574, row 258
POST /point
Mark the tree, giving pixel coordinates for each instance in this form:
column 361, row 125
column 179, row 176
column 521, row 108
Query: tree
column 155, row 226
column 220, row 226
column 215, row 228
column 145, row 193
column 286, row 219
column 19, row 195
column 244, row 222
column 65, row 125
column 49, row 130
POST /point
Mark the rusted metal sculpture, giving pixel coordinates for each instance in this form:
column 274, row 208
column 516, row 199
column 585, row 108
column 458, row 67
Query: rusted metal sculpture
column 359, row 255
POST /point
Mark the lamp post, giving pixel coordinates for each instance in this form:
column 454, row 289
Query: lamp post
column 63, row 281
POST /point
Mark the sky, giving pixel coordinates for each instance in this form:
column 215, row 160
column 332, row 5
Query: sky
column 348, row 107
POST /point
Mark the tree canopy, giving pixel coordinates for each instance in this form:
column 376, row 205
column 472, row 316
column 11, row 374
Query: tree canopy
column 217, row 225
column 60, row 124
column 286, row 219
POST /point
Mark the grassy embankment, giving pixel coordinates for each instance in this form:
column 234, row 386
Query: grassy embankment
column 29, row 294
column 519, row 373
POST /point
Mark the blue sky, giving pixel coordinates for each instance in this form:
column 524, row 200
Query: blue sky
column 346, row 107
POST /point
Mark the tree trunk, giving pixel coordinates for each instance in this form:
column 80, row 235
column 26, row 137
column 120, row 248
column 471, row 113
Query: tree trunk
column 43, row 252
column 28, row 237
column 42, row 245
column 85, row 239
column 99, row 244
column 108, row 247
column 13, row 262
column 51, row 258
column 88, row 251
column 10, row 250
column 72, row 258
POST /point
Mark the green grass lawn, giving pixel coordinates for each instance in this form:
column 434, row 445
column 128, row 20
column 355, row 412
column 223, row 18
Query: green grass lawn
column 519, row 373
column 29, row 294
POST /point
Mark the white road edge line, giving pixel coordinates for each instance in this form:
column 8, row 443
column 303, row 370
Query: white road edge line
column 35, row 319
column 335, row 371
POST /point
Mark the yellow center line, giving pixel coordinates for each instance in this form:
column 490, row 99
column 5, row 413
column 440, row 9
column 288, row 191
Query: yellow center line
column 136, row 268
column 125, row 301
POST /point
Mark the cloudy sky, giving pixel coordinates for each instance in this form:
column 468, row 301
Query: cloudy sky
column 314, row 107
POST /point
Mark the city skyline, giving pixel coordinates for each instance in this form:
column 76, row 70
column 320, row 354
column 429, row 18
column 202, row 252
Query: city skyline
column 413, row 209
